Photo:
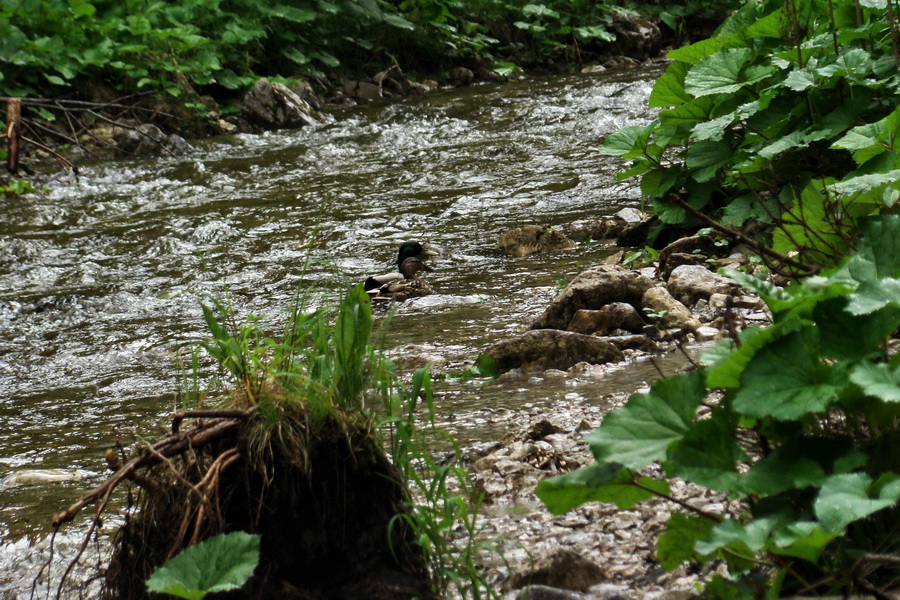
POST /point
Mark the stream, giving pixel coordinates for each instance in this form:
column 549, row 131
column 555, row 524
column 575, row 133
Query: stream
column 101, row 279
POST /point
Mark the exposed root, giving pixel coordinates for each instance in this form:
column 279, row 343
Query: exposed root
column 318, row 489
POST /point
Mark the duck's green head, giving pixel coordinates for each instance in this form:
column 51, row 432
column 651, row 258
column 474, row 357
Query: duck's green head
column 412, row 249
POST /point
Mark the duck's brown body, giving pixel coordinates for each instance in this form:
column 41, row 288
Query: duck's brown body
column 406, row 283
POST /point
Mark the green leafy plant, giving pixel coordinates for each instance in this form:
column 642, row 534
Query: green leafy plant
column 640, row 258
column 796, row 423
column 786, row 119
column 218, row 564
column 17, row 187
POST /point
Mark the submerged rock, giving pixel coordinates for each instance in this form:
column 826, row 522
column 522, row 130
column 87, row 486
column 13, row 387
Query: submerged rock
column 593, row 289
column 533, row 239
column 544, row 349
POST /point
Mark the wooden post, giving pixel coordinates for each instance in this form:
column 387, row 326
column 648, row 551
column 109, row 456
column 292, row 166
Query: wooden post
column 13, row 133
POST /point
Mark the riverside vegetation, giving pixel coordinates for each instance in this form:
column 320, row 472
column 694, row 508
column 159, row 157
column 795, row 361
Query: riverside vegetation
column 780, row 132
column 82, row 63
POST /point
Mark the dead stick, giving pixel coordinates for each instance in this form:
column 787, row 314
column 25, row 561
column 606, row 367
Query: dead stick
column 56, row 155
column 212, row 414
column 13, row 132
column 787, row 260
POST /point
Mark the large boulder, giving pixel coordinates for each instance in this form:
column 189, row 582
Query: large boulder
column 551, row 349
column 593, row 289
column 689, row 283
column 533, row 239
column 275, row 106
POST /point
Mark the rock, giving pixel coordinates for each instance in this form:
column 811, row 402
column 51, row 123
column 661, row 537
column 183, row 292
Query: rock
column 611, row 591
column 621, row 62
column 532, row 239
column 687, row 246
column 631, row 215
column 592, row 69
column 609, row 228
column 621, row 315
column 44, row 476
column 562, row 568
column 363, row 90
column 677, row 259
column 593, row 289
column 461, row 76
column 148, row 139
column 586, row 321
column 635, row 235
column 674, row 314
column 410, row 357
column 274, row 106
column 546, row 592
column 541, row 429
column 615, row 315
column 636, row 37
column 689, row 283
column 417, row 88
column 307, row 93
column 633, row 342
column 551, row 349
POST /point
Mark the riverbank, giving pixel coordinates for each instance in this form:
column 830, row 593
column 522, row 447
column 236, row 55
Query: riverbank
column 106, row 124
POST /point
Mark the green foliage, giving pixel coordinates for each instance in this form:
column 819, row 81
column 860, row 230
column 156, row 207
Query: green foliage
column 802, row 432
column 51, row 48
column 218, row 564
column 787, row 118
column 17, row 187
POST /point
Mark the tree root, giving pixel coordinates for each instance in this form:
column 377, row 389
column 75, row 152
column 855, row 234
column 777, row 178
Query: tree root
column 177, row 443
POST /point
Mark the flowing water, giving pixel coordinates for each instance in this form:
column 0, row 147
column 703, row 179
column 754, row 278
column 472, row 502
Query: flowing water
column 101, row 279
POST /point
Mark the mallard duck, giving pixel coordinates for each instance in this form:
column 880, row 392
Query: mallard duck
column 404, row 283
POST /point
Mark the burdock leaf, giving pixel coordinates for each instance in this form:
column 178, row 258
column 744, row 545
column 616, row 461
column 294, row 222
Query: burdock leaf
column 719, row 73
column 676, row 545
column 845, row 498
column 708, row 454
column 878, row 380
column 640, row 432
column 787, row 380
column 628, row 142
column 604, row 482
column 669, row 88
column 221, row 563
column 705, row 158
column 803, row 539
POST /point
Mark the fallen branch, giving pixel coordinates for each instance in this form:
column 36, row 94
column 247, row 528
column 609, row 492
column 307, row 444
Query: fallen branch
column 763, row 250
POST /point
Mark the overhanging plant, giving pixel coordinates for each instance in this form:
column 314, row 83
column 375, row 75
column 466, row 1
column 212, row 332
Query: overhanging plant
column 803, row 435
column 787, row 118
